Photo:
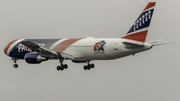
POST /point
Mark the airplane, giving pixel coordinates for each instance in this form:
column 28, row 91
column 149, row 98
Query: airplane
column 84, row 50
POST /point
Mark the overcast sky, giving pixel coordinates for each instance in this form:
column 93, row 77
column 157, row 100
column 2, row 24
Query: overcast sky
column 152, row 75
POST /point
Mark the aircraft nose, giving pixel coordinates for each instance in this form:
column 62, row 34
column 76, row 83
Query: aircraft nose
column 5, row 50
column 7, row 47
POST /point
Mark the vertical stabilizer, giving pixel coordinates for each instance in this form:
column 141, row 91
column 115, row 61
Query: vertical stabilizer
column 139, row 29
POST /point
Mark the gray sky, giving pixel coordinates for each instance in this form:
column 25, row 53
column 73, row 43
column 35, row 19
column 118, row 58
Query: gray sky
column 153, row 75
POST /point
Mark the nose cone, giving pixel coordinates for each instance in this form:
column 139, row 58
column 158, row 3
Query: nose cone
column 6, row 49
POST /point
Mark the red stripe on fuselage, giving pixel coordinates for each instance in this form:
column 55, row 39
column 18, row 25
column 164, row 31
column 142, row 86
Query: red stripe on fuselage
column 65, row 44
column 140, row 36
column 7, row 47
column 151, row 4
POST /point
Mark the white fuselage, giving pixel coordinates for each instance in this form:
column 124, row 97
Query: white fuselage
column 113, row 49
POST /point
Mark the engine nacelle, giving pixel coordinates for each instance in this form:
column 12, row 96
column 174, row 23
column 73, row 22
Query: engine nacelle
column 79, row 61
column 34, row 58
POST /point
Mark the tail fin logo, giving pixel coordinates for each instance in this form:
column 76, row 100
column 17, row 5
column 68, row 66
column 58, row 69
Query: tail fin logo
column 142, row 20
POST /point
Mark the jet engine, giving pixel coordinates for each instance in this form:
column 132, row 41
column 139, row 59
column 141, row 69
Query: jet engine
column 34, row 58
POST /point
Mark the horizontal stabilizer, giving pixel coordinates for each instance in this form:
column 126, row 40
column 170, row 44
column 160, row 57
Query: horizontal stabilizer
column 156, row 41
column 130, row 45
column 158, row 44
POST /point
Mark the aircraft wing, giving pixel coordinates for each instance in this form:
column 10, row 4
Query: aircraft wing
column 46, row 52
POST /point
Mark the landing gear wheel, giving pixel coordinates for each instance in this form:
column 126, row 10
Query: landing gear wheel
column 62, row 68
column 15, row 65
column 65, row 66
column 58, row 68
column 88, row 67
column 92, row 65
column 85, row 67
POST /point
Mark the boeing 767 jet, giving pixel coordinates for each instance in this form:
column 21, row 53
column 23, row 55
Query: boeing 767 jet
column 84, row 50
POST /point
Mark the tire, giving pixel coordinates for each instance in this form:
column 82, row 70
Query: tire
column 88, row 67
column 85, row 67
column 65, row 66
column 15, row 65
column 58, row 68
column 92, row 65
column 62, row 68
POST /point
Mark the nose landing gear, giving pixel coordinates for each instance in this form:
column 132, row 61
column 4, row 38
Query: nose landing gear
column 15, row 62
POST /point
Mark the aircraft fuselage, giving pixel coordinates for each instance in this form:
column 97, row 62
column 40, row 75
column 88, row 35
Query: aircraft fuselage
column 80, row 48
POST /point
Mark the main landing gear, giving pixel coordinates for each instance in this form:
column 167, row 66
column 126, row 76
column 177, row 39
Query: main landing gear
column 88, row 66
column 62, row 66
column 15, row 62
